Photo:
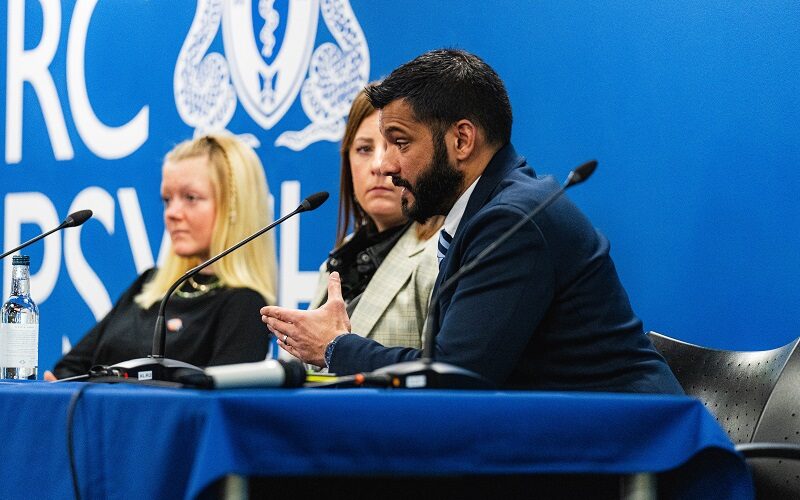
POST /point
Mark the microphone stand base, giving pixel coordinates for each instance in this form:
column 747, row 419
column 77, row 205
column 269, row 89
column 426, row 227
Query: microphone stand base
column 150, row 368
column 425, row 374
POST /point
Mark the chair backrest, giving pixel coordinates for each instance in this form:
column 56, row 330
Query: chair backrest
column 780, row 423
column 754, row 396
column 735, row 386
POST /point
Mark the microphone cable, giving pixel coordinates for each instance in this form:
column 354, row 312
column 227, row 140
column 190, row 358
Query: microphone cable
column 73, row 403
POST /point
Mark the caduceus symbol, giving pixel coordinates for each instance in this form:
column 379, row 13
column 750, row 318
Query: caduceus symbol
column 206, row 84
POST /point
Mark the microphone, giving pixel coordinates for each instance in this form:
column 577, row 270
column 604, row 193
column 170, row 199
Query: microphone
column 312, row 202
column 77, row 218
column 266, row 373
column 429, row 373
column 156, row 366
column 73, row 220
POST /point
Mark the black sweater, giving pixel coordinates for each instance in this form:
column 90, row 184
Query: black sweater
column 221, row 327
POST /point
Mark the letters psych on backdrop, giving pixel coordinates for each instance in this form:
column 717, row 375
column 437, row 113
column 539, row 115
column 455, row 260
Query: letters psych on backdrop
column 207, row 88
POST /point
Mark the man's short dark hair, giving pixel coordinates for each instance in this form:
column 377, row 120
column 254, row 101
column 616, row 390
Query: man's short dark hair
column 446, row 85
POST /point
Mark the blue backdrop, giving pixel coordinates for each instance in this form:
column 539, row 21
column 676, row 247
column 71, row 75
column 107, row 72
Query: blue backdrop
column 688, row 106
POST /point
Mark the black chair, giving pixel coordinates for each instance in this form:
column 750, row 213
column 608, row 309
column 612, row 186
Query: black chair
column 755, row 396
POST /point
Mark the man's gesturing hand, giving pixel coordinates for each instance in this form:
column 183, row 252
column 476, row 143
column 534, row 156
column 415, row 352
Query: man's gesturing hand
column 306, row 334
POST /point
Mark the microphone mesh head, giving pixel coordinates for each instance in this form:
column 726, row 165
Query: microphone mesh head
column 78, row 218
column 582, row 173
column 295, row 373
column 314, row 201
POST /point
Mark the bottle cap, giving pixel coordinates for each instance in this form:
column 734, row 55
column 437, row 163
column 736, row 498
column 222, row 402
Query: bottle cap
column 21, row 260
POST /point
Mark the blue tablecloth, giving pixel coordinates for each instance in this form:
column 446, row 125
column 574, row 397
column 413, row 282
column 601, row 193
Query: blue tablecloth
column 145, row 442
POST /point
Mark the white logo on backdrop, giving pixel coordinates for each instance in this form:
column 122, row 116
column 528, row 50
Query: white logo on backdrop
column 208, row 84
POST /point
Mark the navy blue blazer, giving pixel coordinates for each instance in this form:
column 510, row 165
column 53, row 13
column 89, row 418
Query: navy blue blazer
column 544, row 311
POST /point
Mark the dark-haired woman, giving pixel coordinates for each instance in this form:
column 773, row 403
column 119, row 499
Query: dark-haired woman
column 387, row 264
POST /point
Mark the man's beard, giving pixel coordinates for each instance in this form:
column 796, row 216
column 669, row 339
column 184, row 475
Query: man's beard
column 438, row 186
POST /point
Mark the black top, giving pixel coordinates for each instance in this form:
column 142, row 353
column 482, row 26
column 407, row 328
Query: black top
column 222, row 326
column 357, row 260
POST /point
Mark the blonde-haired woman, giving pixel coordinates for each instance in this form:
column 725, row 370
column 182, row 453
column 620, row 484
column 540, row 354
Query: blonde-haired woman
column 215, row 194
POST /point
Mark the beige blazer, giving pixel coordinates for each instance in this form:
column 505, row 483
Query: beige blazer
column 394, row 305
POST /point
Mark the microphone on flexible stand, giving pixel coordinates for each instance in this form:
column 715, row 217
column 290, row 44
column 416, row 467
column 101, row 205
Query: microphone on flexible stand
column 73, row 220
column 156, row 366
column 427, row 372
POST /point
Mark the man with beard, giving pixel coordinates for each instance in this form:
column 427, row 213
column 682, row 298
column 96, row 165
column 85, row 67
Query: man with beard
column 546, row 310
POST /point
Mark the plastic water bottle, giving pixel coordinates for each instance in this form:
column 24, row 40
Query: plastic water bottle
column 19, row 326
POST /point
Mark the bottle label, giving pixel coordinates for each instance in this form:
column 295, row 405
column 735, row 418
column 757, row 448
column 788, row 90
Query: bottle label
column 19, row 345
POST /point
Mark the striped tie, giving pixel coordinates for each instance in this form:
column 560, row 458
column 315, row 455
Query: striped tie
column 444, row 244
